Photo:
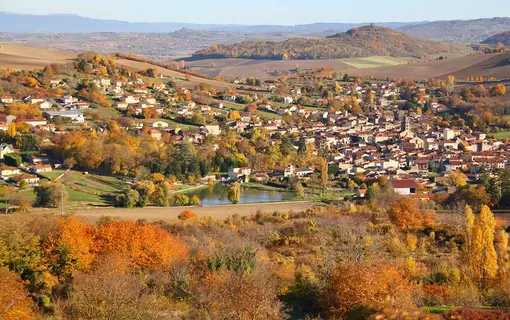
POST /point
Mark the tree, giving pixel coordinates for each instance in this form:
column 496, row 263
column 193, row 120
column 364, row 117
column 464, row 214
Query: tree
column 324, row 173
column 361, row 287
column 71, row 248
column 478, row 252
column 456, row 179
column 129, row 199
column 405, row 213
column 298, row 189
column 194, row 201
column 11, row 130
column 145, row 246
column 49, row 194
column 12, row 159
column 499, row 90
column 450, row 84
column 14, row 301
column 234, row 193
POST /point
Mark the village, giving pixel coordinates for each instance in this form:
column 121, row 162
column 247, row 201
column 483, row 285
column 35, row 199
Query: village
column 360, row 128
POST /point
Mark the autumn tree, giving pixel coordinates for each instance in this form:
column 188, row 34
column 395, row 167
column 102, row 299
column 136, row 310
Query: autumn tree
column 14, row 301
column 450, row 84
column 244, row 296
column 71, row 248
column 406, row 213
column 234, row 193
column 479, row 254
column 361, row 287
column 145, row 246
column 456, row 179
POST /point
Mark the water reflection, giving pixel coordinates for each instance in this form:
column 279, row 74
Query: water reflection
column 218, row 194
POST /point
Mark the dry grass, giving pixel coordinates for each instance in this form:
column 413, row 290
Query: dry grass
column 171, row 213
column 21, row 57
column 190, row 84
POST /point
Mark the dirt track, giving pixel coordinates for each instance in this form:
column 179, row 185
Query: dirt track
column 171, row 213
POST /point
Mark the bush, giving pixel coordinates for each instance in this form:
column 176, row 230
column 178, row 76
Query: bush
column 187, row 214
column 476, row 314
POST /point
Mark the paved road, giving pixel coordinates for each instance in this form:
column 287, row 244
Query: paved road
column 171, row 213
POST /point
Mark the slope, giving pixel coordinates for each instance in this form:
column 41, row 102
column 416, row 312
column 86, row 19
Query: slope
column 21, row 57
column 364, row 41
column 490, row 65
column 503, row 37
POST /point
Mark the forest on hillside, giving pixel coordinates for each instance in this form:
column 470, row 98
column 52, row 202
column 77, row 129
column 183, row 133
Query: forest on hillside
column 360, row 42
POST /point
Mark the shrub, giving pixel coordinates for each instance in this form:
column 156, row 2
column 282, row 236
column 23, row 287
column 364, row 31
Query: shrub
column 187, row 214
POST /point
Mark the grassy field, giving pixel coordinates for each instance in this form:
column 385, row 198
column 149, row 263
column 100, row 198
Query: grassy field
column 502, row 135
column 93, row 184
column 53, row 174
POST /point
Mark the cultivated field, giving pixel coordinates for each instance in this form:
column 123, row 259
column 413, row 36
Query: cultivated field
column 493, row 65
column 190, row 84
column 171, row 213
column 20, row 57
column 243, row 68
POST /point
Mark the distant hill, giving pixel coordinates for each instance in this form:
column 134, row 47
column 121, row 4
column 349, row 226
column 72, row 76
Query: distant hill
column 458, row 31
column 58, row 23
column 503, row 37
column 359, row 42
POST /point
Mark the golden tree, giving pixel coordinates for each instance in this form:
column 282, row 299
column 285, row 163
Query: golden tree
column 14, row 303
column 479, row 254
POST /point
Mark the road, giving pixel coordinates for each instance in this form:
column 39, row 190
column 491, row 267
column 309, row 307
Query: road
column 171, row 213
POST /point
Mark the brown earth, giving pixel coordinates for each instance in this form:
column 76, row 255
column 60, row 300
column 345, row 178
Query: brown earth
column 190, row 84
column 21, row 57
column 171, row 213
column 490, row 65
column 262, row 69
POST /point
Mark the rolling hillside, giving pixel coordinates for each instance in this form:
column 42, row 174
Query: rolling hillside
column 491, row 65
column 21, row 57
column 503, row 37
column 458, row 31
column 365, row 41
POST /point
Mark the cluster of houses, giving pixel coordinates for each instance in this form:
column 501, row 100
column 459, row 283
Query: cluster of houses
column 40, row 164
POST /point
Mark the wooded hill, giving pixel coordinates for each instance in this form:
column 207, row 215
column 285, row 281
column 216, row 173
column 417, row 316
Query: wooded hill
column 365, row 41
column 503, row 37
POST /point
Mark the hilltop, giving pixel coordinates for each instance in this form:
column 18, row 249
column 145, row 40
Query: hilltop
column 359, row 42
column 503, row 37
column 458, row 31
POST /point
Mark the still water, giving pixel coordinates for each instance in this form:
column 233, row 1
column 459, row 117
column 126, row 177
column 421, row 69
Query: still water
column 218, row 194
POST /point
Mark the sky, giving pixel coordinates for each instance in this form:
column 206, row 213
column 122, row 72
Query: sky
column 257, row 12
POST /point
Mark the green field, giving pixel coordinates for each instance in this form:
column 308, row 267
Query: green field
column 502, row 135
column 53, row 174
column 93, row 183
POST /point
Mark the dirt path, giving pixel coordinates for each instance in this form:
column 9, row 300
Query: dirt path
column 171, row 213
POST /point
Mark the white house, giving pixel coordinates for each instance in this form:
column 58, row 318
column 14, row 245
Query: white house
column 236, row 173
column 403, row 187
column 75, row 116
column 212, row 129
column 5, row 149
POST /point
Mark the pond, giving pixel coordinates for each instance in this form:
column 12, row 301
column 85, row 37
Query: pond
column 218, row 194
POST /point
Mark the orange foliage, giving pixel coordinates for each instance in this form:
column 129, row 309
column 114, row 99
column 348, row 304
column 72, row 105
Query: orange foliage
column 405, row 213
column 187, row 214
column 74, row 240
column 14, row 303
column 144, row 245
column 355, row 285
